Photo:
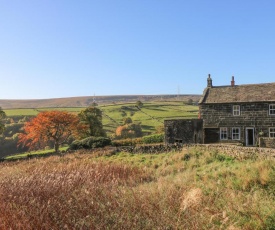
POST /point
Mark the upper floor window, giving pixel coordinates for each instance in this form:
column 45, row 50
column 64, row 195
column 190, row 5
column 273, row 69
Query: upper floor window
column 272, row 132
column 237, row 110
column 272, row 109
column 236, row 133
column 223, row 133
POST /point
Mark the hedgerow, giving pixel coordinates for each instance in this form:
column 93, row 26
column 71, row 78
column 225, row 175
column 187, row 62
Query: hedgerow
column 90, row 143
column 151, row 139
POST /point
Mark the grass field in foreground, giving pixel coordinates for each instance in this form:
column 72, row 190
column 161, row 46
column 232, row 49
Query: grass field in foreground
column 151, row 115
column 192, row 189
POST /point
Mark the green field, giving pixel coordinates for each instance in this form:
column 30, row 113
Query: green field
column 35, row 111
column 152, row 114
column 34, row 154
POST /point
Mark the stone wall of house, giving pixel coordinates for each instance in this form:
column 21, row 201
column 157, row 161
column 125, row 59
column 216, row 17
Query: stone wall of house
column 183, row 131
column 253, row 115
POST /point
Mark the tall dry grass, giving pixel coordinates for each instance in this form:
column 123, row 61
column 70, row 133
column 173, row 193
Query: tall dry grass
column 188, row 190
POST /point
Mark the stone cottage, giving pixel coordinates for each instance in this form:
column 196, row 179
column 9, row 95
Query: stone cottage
column 233, row 114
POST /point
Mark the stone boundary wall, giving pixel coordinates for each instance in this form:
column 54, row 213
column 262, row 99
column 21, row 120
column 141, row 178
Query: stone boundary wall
column 241, row 152
column 151, row 149
column 267, row 142
column 238, row 152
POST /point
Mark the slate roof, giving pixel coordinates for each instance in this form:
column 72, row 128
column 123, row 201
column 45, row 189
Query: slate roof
column 239, row 93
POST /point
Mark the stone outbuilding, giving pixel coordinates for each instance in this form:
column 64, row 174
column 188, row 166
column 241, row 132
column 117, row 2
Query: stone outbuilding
column 183, row 131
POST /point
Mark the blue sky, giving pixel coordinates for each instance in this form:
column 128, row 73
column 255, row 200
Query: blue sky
column 66, row 48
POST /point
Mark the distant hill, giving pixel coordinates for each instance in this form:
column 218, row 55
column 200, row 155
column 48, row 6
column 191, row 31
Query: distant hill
column 87, row 100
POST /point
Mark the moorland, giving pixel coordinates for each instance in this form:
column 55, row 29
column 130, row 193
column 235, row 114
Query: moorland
column 87, row 100
column 104, row 189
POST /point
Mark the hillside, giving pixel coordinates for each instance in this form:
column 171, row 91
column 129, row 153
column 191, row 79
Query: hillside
column 191, row 189
column 87, row 100
column 150, row 116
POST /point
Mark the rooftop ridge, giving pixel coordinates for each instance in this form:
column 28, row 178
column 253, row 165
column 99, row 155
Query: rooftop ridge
column 256, row 92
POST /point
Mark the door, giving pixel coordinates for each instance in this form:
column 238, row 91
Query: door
column 249, row 136
column 211, row 135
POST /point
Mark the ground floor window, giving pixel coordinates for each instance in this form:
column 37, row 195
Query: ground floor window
column 236, row 134
column 223, row 133
column 272, row 132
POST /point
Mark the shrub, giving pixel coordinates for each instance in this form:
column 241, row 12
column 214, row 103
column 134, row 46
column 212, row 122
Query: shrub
column 130, row 130
column 156, row 138
column 127, row 142
column 151, row 139
column 75, row 145
column 90, row 143
column 160, row 129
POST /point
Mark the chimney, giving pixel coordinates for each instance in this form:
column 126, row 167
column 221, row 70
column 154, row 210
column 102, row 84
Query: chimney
column 232, row 81
column 209, row 81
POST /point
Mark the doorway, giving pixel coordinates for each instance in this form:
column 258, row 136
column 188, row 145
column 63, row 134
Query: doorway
column 249, row 136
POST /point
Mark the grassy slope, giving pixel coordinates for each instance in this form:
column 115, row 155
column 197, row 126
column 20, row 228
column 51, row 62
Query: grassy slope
column 158, row 110
column 33, row 153
column 187, row 190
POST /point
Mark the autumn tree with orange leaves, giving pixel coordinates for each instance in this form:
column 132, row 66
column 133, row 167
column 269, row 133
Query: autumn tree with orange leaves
column 49, row 127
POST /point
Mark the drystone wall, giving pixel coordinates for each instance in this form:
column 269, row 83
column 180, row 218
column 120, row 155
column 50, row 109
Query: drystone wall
column 240, row 152
column 151, row 149
column 267, row 142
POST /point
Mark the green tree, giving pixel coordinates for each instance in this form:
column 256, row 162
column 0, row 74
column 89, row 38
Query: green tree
column 127, row 120
column 2, row 117
column 190, row 102
column 91, row 122
column 139, row 104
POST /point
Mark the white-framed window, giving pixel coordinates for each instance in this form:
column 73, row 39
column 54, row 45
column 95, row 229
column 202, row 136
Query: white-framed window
column 236, row 133
column 272, row 132
column 236, row 110
column 272, row 109
column 223, row 133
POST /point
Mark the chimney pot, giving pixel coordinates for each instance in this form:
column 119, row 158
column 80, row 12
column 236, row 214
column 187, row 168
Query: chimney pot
column 209, row 81
column 232, row 81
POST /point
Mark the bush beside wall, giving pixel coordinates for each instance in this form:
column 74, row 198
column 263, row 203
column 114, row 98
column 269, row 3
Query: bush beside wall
column 90, row 143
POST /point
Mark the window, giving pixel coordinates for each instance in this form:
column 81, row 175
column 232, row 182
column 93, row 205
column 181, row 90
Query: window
column 236, row 134
column 272, row 109
column 223, row 133
column 272, row 132
column 237, row 111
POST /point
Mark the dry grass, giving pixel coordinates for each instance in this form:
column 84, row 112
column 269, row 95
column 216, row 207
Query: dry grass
column 187, row 190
